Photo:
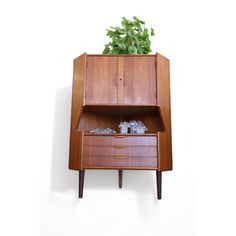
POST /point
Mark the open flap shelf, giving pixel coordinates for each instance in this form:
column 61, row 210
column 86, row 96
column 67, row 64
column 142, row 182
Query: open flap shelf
column 94, row 116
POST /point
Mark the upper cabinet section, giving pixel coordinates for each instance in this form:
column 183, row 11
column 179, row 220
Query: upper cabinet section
column 120, row 80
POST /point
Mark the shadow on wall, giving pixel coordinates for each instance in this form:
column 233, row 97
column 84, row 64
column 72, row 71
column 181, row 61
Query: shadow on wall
column 141, row 183
column 61, row 178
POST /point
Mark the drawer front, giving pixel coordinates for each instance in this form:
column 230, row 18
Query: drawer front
column 129, row 162
column 120, row 141
column 90, row 151
column 98, row 156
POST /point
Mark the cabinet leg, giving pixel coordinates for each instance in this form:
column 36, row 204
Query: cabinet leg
column 158, row 179
column 120, row 178
column 81, row 183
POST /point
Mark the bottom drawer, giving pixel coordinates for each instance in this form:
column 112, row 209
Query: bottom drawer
column 119, row 161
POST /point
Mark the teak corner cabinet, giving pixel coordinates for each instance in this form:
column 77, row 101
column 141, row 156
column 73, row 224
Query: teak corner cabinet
column 108, row 89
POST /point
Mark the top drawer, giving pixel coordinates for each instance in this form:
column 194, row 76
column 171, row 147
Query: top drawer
column 109, row 140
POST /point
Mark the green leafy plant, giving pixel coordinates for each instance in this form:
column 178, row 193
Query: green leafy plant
column 131, row 38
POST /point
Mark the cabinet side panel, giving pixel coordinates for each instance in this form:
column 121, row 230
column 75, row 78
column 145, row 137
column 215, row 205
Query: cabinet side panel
column 163, row 101
column 76, row 150
column 76, row 110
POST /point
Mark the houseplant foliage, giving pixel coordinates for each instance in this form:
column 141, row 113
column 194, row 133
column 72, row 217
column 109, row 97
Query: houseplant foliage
column 131, row 38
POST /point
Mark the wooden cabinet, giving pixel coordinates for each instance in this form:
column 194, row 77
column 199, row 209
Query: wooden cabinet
column 108, row 89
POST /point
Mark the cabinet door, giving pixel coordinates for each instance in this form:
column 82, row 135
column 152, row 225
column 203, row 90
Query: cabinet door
column 101, row 80
column 140, row 80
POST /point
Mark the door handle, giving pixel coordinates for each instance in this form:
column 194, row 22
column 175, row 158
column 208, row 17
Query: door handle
column 120, row 157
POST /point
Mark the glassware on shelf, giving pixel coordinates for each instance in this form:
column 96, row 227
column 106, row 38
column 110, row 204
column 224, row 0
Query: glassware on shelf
column 103, row 131
column 124, row 126
column 136, row 127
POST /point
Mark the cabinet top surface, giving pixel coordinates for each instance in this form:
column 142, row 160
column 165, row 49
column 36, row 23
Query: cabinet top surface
column 123, row 55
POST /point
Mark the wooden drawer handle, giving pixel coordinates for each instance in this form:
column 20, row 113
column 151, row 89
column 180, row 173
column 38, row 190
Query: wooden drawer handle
column 120, row 136
column 120, row 157
column 119, row 147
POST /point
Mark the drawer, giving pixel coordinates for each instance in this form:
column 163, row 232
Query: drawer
column 116, row 162
column 120, row 151
column 120, row 140
column 100, row 156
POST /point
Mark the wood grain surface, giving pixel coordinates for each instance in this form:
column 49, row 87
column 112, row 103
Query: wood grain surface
column 163, row 101
column 101, row 80
column 140, row 80
column 76, row 138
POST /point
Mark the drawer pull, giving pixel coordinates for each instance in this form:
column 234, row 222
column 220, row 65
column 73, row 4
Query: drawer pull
column 119, row 147
column 120, row 136
column 120, row 157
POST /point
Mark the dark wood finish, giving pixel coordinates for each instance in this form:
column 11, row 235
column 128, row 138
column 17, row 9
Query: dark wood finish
column 76, row 110
column 140, row 80
column 159, row 182
column 122, row 110
column 81, row 183
column 163, row 101
column 120, row 178
column 120, row 107
column 101, row 80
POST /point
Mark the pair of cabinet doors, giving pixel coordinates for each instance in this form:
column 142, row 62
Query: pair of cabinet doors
column 121, row 80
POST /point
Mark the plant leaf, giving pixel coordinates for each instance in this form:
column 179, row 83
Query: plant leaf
column 106, row 50
column 152, row 32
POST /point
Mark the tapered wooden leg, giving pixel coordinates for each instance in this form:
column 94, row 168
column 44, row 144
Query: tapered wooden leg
column 158, row 179
column 120, row 178
column 81, row 183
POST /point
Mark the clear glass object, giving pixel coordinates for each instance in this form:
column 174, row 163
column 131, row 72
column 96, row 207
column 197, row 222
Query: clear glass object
column 124, row 130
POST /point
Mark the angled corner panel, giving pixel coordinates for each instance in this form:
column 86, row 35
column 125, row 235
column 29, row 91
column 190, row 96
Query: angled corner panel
column 76, row 138
column 163, row 101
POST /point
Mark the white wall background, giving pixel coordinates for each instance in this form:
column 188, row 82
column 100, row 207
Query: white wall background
column 38, row 42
